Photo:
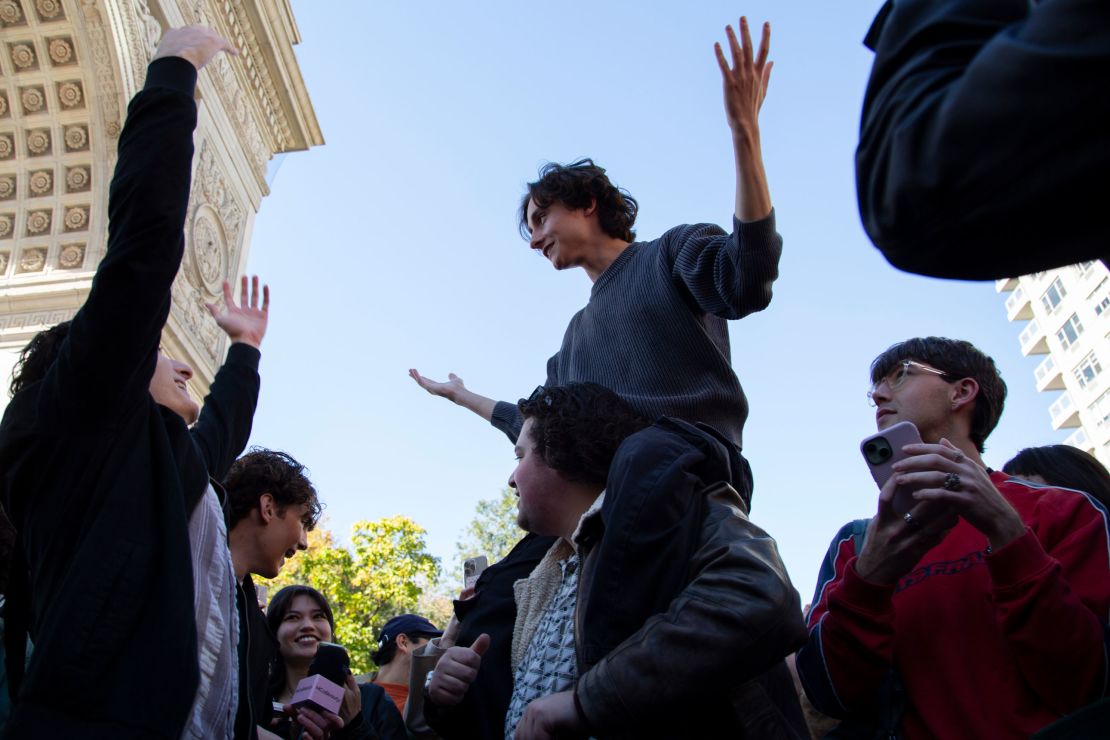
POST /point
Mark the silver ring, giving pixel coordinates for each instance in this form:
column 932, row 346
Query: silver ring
column 952, row 482
column 910, row 521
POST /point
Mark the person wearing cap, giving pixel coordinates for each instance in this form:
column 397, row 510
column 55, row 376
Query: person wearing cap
column 399, row 638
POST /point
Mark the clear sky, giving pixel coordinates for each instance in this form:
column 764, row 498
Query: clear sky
column 395, row 246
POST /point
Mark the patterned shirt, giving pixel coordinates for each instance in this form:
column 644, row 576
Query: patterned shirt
column 217, row 698
column 549, row 664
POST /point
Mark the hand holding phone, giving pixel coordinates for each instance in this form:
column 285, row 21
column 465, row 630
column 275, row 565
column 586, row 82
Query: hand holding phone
column 472, row 568
column 882, row 450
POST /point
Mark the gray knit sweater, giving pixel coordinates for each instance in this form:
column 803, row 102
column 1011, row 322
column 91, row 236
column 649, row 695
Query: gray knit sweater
column 654, row 330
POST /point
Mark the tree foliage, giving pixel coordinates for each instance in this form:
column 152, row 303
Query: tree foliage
column 493, row 531
column 381, row 574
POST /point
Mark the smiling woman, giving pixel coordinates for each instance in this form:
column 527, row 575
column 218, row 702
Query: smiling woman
column 301, row 618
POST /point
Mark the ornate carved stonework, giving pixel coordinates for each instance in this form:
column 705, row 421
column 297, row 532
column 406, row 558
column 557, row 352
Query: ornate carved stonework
column 70, row 67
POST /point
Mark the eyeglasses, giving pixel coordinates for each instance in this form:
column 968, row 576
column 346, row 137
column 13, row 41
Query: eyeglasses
column 896, row 377
column 540, row 395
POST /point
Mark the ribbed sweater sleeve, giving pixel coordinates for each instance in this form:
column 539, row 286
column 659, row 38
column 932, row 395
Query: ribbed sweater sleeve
column 654, row 330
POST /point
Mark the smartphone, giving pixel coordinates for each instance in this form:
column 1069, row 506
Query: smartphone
column 472, row 568
column 331, row 662
column 882, row 450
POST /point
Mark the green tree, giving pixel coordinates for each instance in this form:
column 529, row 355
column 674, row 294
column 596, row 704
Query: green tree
column 492, row 532
column 381, row 574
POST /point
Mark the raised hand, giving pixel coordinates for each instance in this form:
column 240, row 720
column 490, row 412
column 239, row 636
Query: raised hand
column 246, row 322
column 196, row 44
column 745, row 82
column 449, row 390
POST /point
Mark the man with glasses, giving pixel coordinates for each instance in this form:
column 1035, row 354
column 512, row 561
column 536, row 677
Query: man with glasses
column 982, row 611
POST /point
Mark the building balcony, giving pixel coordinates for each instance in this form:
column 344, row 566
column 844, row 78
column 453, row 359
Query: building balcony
column 1065, row 414
column 1018, row 306
column 1049, row 377
column 1005, row 285
column 1079, row 440
column 1033, row 340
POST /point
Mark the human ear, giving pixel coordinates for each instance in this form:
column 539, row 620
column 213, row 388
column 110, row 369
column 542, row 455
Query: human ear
column 267, row 509
column 964, row 391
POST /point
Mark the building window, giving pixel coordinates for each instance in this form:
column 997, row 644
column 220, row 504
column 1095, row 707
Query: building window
column 1101, row 409
column 1087, row 370
column 1084, row 267
column 1052, row 297
column 1100, row 297
column 1070, row 331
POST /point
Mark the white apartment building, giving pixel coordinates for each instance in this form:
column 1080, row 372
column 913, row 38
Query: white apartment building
column 1068, row 315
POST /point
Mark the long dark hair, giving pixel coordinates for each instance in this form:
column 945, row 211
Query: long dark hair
column 275, row 613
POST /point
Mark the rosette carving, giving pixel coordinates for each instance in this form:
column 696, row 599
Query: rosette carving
column 77, row 138
column 7, row 147
column 33, row 99
column 7, row 224
column 60, row 51
column 5, row 258
column 7, row 187
column 70, row 95
column 71, row 256
column 76, row 218
column 49, row 10
column 23, row 56
column 10, row 13
column 32, row 260
column 77, row 179
column 38, row 222
column 38, row 142
column 41, row 182
column 3, row 105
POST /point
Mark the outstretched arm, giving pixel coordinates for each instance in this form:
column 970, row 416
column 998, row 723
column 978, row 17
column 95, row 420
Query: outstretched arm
column 745, row 84
column 455, row 391
column 109, row 356
column 226, row 418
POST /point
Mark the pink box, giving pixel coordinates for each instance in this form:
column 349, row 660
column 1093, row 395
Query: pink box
column 319, row 691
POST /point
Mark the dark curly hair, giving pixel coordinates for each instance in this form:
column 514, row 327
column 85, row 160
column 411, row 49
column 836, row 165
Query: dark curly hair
column 577, row 428
column 276, row 473
column 275, row 612
column 958, row 359
column 578, row 185
column 37, row 357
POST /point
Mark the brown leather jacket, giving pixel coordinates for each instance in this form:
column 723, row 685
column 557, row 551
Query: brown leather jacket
column 685, row 610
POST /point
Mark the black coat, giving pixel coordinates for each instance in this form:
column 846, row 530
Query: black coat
column 99, row 480
column 983, row 148
column 481, row 714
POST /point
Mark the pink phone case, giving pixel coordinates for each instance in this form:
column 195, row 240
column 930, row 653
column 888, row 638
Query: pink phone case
column 882, row 450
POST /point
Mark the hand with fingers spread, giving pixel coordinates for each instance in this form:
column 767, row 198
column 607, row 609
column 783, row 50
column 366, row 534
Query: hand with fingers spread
column 745, row 84
column 456, row 670
column 246, row 322
column 195, row 44
column 944, row 476
column 746, row 80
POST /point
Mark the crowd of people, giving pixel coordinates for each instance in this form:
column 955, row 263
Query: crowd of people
column 641, row 600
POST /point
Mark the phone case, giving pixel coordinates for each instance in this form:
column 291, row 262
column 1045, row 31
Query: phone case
column 880, row 452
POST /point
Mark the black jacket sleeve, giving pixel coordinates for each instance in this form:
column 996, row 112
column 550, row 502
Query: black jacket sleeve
column 982, row 149
column 107, row 361
column 225, row 421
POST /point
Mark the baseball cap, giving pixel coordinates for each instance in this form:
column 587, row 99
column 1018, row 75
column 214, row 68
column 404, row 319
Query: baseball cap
column 412, row 625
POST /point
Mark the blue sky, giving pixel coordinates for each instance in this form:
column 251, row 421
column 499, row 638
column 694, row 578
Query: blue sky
column 395, row 246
